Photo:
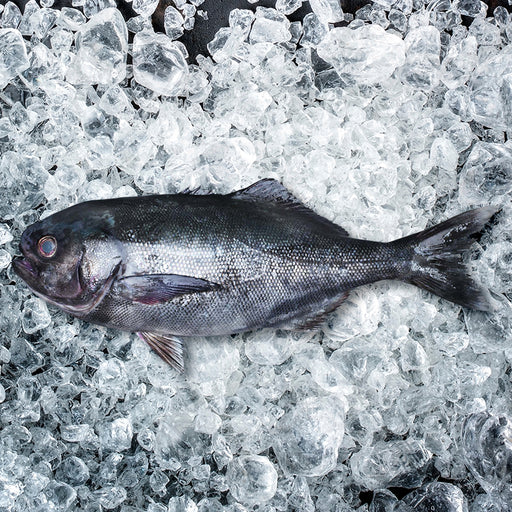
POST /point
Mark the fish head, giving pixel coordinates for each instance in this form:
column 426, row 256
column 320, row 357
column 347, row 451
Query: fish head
column 60, row 261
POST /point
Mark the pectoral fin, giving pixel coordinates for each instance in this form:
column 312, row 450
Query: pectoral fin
column 168, row 348
column 159, row 288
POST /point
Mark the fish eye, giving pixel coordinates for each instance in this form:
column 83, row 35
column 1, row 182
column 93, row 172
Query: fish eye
column 47, row 246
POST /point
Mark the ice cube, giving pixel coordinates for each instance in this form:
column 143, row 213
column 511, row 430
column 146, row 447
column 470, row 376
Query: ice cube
column 158, row 63
column 367, row 54
column 252, row 479
column 102, row 46
column 13, row 55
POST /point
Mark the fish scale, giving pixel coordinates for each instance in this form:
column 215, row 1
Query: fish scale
column 190, row 265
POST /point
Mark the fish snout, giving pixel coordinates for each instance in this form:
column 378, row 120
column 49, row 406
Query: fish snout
column 23, row 267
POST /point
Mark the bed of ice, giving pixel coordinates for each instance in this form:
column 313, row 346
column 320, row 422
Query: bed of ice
column 394, row 121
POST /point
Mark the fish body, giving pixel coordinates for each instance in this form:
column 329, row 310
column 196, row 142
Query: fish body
column 188, row 265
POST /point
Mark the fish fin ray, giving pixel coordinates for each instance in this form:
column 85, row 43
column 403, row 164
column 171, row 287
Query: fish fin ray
column 437, row 264
column 272, row 191
column 319, row 317
column 170, row 349
column 159, row 288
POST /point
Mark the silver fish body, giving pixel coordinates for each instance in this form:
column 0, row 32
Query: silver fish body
column 191, row 265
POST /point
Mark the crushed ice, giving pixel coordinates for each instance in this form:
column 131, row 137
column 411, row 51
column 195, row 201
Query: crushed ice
column 398, row 118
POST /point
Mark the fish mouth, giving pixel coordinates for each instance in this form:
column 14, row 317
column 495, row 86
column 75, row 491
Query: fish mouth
column 23, row 267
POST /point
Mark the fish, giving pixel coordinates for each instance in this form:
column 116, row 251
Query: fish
column 173, row 266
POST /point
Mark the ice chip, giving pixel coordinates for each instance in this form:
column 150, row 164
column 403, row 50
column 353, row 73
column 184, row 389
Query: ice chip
column 116, row 436
column 11, row 16
column 435, row 496
column 158, row 63
column 444, row 154
column 181, row 504
column 491, row 91
column 307, row 439
column 35, row 315
column 73, row 471
column 144, row 7
column 268, row 347
column 5, row 234
column 173, row 22
column 5, row 259
column 487, row 450
column 26, row 26
column 470, row 8
column 207, row 422
column 486, row 177
column 13, row 55
column 288, row 6
column 270, row 26
column 252, row 479
column 391, row 464
column 459, row 62
column 314, row 30
column 111, row 377
column 102, row 47
column 367, row 54
column 71, row 18
column 59, row 496
column 158, row 481
column 92, row 7
column 110, row 497
column 328, row 11
column 421, row 67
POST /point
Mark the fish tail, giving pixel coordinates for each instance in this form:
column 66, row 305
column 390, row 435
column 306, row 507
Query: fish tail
column 436, row 261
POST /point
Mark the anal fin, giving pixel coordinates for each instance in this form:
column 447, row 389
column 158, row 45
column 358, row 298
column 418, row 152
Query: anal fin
column 170, row 349
column 318, row 318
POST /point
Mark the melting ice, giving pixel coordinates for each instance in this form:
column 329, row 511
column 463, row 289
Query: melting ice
column 396, row 118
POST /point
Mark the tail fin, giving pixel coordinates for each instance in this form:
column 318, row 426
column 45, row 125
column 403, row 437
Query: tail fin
column 437, row 259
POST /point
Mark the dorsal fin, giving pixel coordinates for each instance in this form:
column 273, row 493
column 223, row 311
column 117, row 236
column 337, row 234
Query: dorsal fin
column 271, row 191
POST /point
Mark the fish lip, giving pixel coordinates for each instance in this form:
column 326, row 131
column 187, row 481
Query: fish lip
column 23, row 267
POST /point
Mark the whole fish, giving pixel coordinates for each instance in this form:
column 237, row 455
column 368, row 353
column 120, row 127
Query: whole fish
column 188, row 265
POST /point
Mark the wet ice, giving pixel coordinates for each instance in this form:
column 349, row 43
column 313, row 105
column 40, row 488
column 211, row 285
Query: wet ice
column 386, row 125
